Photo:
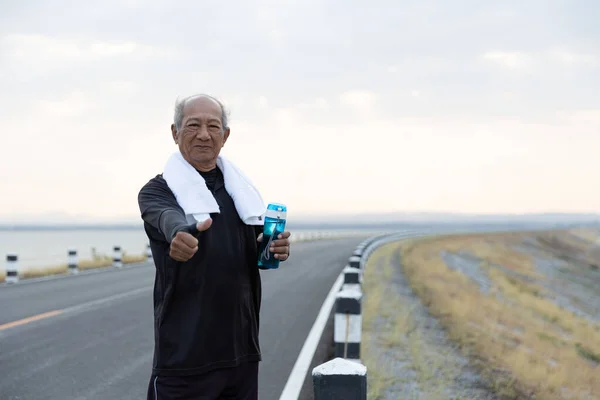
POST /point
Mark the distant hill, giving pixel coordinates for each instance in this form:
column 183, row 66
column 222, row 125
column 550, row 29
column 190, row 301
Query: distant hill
column 424, row 217
column 454, row 219
column 349, row 221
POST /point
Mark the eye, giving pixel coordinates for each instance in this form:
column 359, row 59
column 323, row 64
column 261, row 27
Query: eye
column 193, row 124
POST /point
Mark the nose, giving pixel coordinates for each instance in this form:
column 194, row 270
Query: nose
column 202, row 133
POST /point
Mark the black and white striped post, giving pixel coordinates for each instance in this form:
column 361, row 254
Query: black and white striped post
column 351, row 279
column 73, row 262
column 148, row 252
column 117, row 257
column 340, row 379
column 347, row 329
column 12, row 268
column 354, row 261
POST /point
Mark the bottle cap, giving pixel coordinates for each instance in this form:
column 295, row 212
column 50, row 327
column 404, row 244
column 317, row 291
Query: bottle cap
column 276, row 210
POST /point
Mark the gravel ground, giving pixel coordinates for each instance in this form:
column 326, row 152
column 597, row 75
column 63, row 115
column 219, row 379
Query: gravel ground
column 423, row 363
column 470, row 266
column 571, row 284
column 569, row 291
column 419, row 359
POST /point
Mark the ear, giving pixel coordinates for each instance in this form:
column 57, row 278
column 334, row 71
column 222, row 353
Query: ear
column 226, row 135
column 174, row 132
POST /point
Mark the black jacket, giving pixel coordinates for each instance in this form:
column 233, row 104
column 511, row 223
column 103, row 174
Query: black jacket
column 206, row 310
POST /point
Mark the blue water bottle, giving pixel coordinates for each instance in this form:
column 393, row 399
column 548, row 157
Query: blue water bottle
column 275, row 218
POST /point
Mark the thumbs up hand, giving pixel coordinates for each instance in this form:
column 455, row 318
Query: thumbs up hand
column 185, row 244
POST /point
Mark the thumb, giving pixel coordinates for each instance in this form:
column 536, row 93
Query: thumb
column 195, row 229
column 204, row 225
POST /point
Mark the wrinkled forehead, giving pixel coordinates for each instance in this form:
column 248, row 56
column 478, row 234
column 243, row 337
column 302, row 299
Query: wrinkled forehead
column 202, row 107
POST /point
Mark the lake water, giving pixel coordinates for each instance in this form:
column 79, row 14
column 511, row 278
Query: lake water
column 46, row 247
column 38, row 248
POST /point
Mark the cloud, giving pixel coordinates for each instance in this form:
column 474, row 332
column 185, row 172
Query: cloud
column 583, row 120
column 508, row 60
column 421, row 95
column 321, row 103
column 123, row 87
column 574, row 59
column 360, row 100
column 233, row 100
column 520, row 61
column 261, row 102
column 28, row 46
column 72, row 105
column 277, row 36
column 30, row 55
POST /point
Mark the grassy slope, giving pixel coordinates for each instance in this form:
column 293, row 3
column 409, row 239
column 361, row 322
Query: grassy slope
column 524, row 342
column 403, row 358
column 375, row 307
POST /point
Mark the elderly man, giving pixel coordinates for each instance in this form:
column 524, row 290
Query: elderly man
column 207, row 290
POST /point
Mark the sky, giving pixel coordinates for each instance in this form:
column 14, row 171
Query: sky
column 335, row 106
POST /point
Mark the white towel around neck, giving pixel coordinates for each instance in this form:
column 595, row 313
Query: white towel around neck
column 198, row 202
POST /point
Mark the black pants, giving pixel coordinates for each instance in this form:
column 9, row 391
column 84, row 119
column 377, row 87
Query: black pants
column 239, row 383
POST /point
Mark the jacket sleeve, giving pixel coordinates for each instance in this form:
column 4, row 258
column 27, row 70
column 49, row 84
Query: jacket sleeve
column 258, row 229
column 159, row 209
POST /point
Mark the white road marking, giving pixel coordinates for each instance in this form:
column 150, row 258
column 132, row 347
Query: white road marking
column 293, row 386
column 77, row 308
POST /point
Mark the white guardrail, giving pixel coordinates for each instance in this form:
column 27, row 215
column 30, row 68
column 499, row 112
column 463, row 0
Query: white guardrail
column 345, row 377
column 15, row 268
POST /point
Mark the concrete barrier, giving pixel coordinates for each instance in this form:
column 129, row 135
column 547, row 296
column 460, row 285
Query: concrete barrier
column 73, row 262
column 347, row 328
column 340, row 379
column 354, row 261
column 73, row 257
column 308, row 236
column 358, row 251
column 117, row 257
column 352, row 279
column 12, row 268
column 345, row 377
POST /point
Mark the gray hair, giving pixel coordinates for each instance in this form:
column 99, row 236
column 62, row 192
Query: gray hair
column 181, row 103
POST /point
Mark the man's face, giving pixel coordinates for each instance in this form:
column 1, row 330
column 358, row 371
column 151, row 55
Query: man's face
column 201, row 135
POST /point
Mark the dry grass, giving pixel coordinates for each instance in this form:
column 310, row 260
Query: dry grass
column 379, row 377
column 86, row 264
column 374, row 307
column 525, row 343
column 390, row 335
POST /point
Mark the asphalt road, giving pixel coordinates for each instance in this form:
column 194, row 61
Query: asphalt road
column 96, row 341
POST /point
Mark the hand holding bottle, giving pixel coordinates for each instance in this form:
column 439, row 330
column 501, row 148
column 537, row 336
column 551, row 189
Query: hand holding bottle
column 274, row 243
column 280, row 247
